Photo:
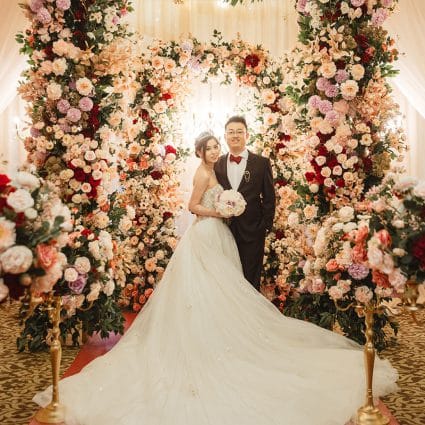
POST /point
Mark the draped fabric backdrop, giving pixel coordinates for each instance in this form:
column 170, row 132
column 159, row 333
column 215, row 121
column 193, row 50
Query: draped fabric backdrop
column 271, row 23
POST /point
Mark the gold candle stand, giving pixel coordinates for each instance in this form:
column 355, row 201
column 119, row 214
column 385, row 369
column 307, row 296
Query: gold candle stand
column 54, row 412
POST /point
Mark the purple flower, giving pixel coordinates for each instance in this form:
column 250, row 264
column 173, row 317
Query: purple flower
column 379, row 16
column 63, row 106
column 322, row 83
column 325, row 106
column 341, row 76
column 36, row 5
column 332, row 117
column 43, row 15
column 85, row 104
column 313, row 101
column 63, row 4
column 357, row 3
column 78, row 285
column 331, row 91
column 73, row 114
column 358, row 271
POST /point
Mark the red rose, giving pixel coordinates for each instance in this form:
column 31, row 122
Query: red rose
column 281, row 182
column 149, row 88
column 166, row 215
column 79, row 175
column 93, row 182
column 340, row 64
column 322, row 151
column 156, row 175
column 170, row 149
column 340, row 182
column 283, row 136
column 166, row 96
column 310, row 176
column 4, row 180
column 252, row 61
column 279, row 234
column 362, row 41
column 279, row 146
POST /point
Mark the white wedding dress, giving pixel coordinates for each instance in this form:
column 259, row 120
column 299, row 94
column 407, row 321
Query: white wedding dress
column 208, row 349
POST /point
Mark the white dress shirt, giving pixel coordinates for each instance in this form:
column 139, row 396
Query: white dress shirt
column 236, row 171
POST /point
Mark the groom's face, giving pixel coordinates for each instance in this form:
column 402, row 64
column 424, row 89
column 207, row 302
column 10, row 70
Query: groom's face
column 236, row 137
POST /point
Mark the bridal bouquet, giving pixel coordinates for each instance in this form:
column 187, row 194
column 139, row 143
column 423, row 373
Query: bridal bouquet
column 230, row 203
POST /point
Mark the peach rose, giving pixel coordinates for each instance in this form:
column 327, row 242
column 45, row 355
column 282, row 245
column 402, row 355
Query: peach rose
column 46, row 255
column 384, row 237
column 358, row 253
column 332, row 265
column 361, row 234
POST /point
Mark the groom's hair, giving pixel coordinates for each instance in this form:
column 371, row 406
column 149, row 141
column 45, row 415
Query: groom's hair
column 237, row 118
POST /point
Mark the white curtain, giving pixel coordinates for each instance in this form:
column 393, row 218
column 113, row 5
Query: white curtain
column 11, row 108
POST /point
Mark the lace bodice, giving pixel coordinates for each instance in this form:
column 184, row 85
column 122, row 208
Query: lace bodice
column 209, row 197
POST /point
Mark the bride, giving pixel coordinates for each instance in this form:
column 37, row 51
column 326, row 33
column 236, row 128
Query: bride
column 208, row 349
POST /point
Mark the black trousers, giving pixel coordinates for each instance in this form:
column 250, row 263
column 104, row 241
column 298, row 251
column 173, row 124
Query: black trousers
column 251, row 255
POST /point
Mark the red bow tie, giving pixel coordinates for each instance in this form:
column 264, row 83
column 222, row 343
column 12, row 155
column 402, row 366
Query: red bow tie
column 234, row 158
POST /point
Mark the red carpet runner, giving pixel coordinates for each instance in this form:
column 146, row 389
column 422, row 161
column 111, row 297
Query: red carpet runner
column 96, row 346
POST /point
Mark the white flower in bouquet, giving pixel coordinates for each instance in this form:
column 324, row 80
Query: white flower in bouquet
column 16, row 260
column 230, row 203
column 82, row 265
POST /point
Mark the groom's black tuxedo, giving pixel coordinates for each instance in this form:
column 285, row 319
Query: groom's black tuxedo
column 249, row 229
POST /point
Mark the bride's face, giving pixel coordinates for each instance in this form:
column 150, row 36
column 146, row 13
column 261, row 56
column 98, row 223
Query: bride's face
column 212, row 151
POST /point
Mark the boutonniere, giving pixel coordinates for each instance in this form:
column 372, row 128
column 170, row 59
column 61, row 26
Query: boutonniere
column 247, row 176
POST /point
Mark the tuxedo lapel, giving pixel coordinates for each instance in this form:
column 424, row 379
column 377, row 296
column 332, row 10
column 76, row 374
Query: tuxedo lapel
column 223, row 171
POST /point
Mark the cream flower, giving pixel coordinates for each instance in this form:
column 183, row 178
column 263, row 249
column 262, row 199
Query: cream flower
column 20, row 200
column 84, row 86
column 7, row 233
column 357, row 71
column 349, row 89
column 16, row 260
column 54, row 91
column 327, row 69
column 82, row 265
column 268, row 96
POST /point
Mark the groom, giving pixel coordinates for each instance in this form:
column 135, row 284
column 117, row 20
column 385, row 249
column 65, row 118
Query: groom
column 251, row 175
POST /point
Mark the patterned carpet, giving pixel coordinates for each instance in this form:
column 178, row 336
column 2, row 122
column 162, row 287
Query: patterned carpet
column 23, row 374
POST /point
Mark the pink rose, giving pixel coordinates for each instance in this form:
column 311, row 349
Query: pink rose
column 361, row 234
column 358, row 253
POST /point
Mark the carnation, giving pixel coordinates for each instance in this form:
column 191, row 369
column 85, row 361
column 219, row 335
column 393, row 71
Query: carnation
column 358, row 271
column 16, row 260
column 73, row 114
column 63, row 4
column 341, row 76
column 43, row 15
column 85, row 104
column 20, row 200
column 63, row 106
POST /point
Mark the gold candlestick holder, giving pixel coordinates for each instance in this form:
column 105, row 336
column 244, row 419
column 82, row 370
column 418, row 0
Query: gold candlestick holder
column 54, row 412
column 369, row 414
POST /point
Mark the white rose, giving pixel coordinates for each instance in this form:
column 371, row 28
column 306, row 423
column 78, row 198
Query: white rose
column 346, row 213
column 27, row 180
column 70, row 274
column 293, row 219
column 16, row 260
column 30, row 213
column 82, row 265
column 20, row 200
column 108, row 288
column 314, row 188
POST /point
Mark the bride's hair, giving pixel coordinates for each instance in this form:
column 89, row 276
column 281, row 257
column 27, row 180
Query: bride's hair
column 201, row 143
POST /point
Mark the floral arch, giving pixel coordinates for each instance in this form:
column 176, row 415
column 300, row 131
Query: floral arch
column 152, row 160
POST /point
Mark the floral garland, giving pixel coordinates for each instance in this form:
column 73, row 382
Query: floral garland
column 68, row 85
